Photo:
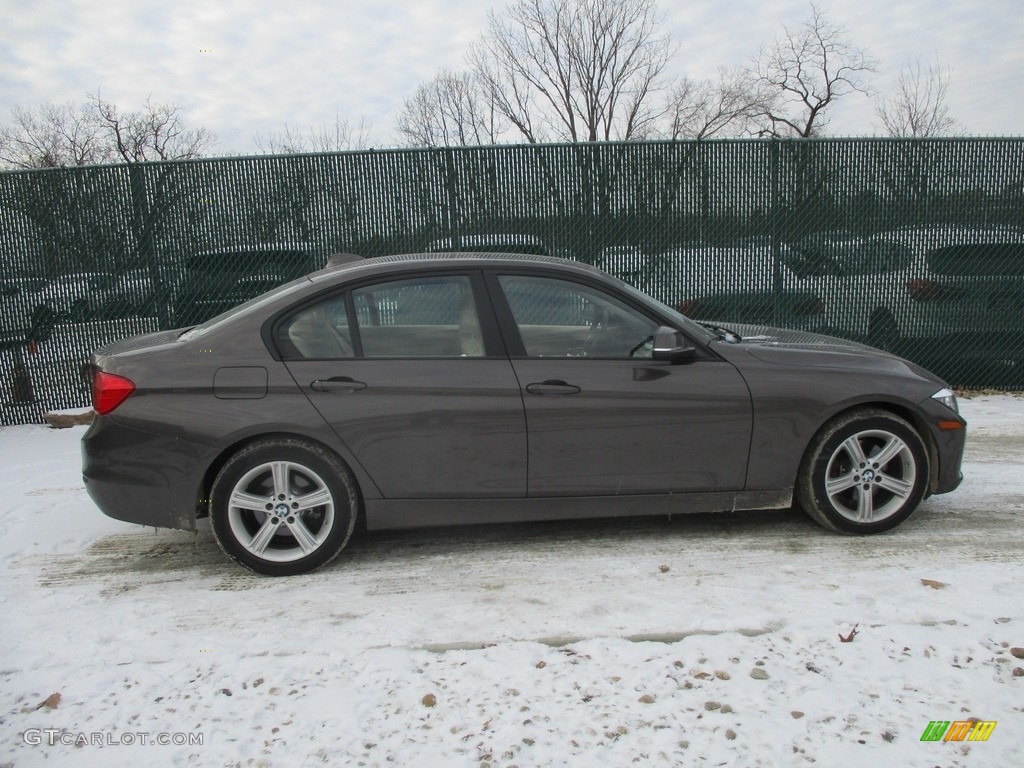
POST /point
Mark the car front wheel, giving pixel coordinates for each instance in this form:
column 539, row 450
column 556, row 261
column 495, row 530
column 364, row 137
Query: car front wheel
column 283, row 507
column 864, row 472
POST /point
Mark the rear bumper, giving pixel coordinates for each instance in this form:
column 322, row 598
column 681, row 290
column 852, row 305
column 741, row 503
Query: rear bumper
column 141, row 477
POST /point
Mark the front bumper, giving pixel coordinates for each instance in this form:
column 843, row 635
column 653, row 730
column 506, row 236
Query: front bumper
column 949, row 448
column 142, row 477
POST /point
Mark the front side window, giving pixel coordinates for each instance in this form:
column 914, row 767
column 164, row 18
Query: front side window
column 558, row 318
column 419, row 317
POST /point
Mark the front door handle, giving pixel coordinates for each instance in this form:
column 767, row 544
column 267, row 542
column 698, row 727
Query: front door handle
column 552, row 387
column 337, row 384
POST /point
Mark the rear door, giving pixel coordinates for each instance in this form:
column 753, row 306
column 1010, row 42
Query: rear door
column 603, row 418
column 411, row 376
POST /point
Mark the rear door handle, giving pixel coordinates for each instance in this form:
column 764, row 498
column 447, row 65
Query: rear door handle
column 337, row 384
column 552, row 387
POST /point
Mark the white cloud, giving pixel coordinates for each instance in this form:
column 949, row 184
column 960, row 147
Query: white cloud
column 269, row 63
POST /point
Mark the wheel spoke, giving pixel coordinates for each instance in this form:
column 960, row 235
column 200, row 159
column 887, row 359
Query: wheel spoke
column 244, row 500
column 839, row 484
column 313, row 499
column 303, row 537
column 281, row 512
column 852, row 447
column 280, row 470
column 889, row 451
column 865, row 505
column 895, row 485
column 263, row 536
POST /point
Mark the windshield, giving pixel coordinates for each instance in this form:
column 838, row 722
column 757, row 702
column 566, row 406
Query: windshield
column 681, row 320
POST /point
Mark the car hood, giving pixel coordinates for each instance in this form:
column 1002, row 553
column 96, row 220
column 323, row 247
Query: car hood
column 763, row 335
column 783, row 346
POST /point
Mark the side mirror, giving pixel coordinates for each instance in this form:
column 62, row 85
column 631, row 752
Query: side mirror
column 671, row 346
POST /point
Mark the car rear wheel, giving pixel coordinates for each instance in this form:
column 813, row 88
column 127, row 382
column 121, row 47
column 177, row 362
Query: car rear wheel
column 864, row 472
column 283, row 507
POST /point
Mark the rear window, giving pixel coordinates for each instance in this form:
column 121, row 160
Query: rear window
column 979, row 260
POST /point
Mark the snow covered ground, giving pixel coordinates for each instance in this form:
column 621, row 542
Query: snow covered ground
column 707, row 640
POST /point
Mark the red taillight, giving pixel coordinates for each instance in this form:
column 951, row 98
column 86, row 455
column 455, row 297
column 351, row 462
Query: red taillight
column 109, row 391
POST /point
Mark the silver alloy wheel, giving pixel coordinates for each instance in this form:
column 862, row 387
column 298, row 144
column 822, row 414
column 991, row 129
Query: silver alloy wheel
column 870, row 476
column 281, row 511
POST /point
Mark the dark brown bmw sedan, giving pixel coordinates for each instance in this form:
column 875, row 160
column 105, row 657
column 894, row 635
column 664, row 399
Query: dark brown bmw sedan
column 442, row 389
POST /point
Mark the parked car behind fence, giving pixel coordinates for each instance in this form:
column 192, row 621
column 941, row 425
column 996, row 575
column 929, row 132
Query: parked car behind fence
column 491, row 243
column 71, row 297
column 932, row 294
column 19, row 296
column 128, row 295
column 751, row 284
column 216, row 280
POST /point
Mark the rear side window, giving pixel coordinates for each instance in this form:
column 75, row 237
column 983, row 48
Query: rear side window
column 979, row 260
column 420, row 317
column 320, row 332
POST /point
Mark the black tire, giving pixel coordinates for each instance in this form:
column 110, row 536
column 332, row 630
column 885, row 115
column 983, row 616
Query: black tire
column 283, row 507
column 866, row 471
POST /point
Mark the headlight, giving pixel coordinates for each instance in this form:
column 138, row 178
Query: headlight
column 947, row 398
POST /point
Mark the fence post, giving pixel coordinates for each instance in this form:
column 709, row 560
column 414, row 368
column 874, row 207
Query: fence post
column 776, row 228
column 143, row 231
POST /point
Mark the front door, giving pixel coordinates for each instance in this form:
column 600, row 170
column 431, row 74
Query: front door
column 603, row 418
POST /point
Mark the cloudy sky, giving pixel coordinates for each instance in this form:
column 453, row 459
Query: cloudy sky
column 239, row 67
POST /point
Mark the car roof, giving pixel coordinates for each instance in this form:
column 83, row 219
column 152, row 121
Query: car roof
column 383, row 264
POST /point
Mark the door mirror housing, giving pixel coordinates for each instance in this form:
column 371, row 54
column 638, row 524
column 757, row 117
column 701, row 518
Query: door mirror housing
column 671, row 346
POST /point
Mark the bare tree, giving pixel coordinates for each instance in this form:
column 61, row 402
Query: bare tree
column 156, row 132
column 805, row 71
column 96, row 131
column 918, row 105
column 53, row 136
column 340, row 136
column 452, row 109
column 702, row 109
column 574, row 70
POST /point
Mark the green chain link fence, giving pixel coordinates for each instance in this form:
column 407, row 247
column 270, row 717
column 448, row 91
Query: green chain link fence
column 916, row 246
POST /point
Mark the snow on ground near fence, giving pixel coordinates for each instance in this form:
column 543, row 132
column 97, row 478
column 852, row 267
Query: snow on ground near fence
column 707, row 640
